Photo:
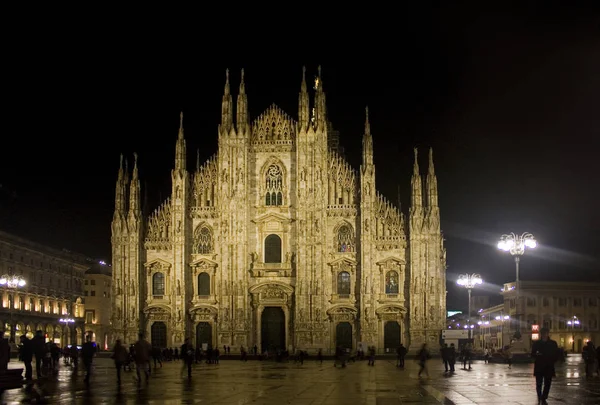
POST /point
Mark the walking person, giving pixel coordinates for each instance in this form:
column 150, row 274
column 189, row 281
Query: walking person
column 39, row 350
column 451, row 357
column 401, row 353
column 422, row 358
column 142, row 351
column 545, row 352
column 88, row 350
column 27, row 357
column 187, row 354
column 320, row 356
column 120, row 356
column 445, row 351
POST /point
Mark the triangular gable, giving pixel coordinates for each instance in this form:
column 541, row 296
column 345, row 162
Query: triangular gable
column 390, row 259
column 271, row 216
column 209, row 262
column 161, row 262
column 344, row 259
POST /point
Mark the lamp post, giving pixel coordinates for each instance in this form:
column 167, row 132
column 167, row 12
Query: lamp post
column 574, row 321
column 469, row 281
column 66, row 322
column 12, row 282
column 516, row 244
column 502, row 318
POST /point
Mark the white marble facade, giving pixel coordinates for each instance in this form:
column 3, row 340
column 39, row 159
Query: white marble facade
column 277, row 241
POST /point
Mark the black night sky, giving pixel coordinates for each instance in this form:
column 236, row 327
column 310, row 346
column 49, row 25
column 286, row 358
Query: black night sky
column 508, row 100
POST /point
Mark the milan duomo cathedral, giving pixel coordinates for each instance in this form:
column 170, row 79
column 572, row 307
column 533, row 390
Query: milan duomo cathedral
column 277, row 242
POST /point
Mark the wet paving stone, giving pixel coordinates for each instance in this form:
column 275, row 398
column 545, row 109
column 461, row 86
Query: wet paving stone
column 265, row 383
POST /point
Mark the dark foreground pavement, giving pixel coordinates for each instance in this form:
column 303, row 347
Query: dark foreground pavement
column 254, row 382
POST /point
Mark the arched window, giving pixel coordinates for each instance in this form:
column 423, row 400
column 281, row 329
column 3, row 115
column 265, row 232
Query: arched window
column 204, row 241
column 273, row 249
column 391, row 282
column 345, row 239
column 343, row 283
column 158, row 284
column 203, row 284
column 274, row 186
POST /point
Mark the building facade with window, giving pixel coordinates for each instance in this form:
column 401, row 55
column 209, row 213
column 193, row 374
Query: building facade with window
column 97, row 291
column 276, row 241
column 52, row 290
column 571, row 310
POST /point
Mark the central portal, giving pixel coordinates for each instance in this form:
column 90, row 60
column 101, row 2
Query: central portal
column 272, row 329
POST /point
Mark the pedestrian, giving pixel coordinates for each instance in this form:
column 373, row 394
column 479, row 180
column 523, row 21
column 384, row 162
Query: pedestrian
column 187, row 354
column 320, row 356
column 120, row 356
column 508, row 356
column 401, row 354
column 422, row 358
column 445, row 352
column 39, row 350
column 27, row 357
column 589, row 357
column 452, row 357
column 545, row 352
column 142, row 351
column 88, row 350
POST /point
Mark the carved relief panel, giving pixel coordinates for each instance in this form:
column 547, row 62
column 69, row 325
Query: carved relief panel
column 392, row 272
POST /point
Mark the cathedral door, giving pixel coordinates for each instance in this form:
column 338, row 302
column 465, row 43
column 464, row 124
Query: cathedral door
column 203, row 334
column 158, row 334
column 343, row 335
column 391, row 336
column 272, row 329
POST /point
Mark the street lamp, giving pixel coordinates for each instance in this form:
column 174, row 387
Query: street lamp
column 516, row 244
column 502, row 318
column 574, row 321
column 66, row 322
column 12, row 282
column 469, row 281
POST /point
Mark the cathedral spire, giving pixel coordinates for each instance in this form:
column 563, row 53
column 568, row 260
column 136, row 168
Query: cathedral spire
column 320, row 116
column 198, row 159
column 120, row 203
column 303, row 103
column 367, row 141
column 226, row 107
column 242, row 108
column 417, row 188
column 180, row 147
column 432, row 191
column 399, row 200
column 134, row 189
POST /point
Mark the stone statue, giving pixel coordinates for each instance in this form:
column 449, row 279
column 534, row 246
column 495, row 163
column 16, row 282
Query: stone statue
column 301, row 315
column 318, row 314
column 178, row 287
column 132, row 288
column 179, row 315
column 288, row 256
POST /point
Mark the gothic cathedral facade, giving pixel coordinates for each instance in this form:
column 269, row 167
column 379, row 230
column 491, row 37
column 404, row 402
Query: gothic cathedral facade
column 277, row 242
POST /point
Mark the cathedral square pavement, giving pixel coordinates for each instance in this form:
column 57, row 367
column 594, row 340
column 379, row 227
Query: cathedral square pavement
column 254, row 382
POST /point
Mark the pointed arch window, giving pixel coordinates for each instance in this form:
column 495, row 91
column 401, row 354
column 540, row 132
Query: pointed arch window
column 203, row 284
column 345, row 239
column 343, row 283
column 273, row 249
column 204, row 241
column 158, row 284
column 274, row 186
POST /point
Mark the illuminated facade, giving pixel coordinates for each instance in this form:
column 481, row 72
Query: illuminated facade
column 554, row 305
column 97, row 290
column 53, row 290
column 276, row 241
